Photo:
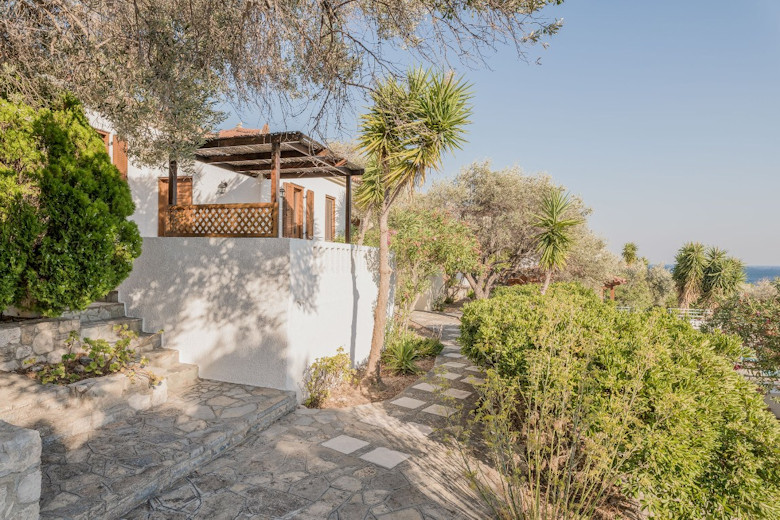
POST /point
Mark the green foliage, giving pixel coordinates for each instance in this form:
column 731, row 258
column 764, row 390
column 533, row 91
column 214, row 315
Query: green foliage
column 99, row 358
column 403, row 349
column 707, row 275
column 756, row 321
column 554, row 240
column 426, row 242
column 63, row 211
column 325, row 374
column 629, row 253
column 661, row 284
column 501, row 207
column 641, row 401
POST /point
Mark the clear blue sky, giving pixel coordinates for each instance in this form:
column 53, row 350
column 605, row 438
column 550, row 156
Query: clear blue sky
column 663, row 116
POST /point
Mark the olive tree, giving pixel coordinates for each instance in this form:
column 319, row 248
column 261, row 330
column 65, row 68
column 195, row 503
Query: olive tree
column 501, row 207
column 161, row 70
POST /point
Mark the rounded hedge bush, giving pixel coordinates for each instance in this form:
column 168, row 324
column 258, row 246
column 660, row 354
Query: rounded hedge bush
column 65, row 237
column 701, row 442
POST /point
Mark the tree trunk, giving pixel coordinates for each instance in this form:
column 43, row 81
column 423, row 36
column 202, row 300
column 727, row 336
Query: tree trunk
column 383, row 295
column 364, row 223
column 547, row 278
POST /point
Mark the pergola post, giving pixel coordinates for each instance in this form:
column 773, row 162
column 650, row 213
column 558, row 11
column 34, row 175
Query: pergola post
column 348, row 212
column 172, row 182
column 276, row 155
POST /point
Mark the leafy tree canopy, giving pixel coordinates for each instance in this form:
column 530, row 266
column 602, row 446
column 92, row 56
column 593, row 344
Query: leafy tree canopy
column 161, row 69
column 501, row 207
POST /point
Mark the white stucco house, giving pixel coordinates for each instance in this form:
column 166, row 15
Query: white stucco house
column 247, row 266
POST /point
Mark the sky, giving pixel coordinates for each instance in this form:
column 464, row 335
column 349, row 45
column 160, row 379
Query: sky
column 663, row 116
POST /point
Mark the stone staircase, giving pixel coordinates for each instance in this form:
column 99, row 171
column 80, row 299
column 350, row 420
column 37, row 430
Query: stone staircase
column 111, row 443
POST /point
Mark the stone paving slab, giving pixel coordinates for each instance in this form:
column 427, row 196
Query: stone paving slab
column 345, row 444
column 385, row 457
column 408, row 402
column 108, row 472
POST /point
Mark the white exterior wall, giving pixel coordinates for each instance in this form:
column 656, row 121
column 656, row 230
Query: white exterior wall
column 254, row 310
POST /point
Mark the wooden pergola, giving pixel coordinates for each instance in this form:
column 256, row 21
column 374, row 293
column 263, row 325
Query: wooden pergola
column 276, row 156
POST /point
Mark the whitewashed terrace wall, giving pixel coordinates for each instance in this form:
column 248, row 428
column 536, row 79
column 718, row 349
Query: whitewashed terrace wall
column 254, row 311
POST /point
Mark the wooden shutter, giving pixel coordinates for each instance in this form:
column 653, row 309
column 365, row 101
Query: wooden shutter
column 120, row 157
column 183, row 194
column 298, row 212
column 289, row 209
column 330, row 218
column 309, row 214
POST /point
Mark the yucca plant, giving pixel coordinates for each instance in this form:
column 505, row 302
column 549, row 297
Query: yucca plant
column 554, row 239
column 688, row 273
column 400, row 356
column 410, row 126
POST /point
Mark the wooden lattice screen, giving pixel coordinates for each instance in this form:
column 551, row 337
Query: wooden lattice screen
column 223, row 220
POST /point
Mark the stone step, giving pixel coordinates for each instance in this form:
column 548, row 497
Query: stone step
column 107, row 473
column 97, row 311
column 179, row 375
column 111, row 297
column 104, row 329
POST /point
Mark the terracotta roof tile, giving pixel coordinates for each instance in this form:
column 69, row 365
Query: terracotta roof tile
column 239, row 130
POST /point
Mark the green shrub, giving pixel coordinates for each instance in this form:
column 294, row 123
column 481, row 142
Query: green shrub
column 638, row 401
column 66, row 240
column 325, row 374
column 756, row 320
column 97, row 358
column 403, row 349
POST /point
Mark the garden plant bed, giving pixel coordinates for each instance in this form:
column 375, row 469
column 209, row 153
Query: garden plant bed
column 370, row 392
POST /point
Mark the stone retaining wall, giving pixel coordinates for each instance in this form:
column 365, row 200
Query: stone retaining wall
column 20, row 472
column 42, row 339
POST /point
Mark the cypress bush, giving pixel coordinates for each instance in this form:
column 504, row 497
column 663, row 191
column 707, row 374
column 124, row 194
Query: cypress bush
column 597, row 400
column 65, row 237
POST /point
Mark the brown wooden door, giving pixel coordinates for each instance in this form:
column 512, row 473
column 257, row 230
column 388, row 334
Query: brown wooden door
column 183, row 196
column 120, row 157
column 293, row 210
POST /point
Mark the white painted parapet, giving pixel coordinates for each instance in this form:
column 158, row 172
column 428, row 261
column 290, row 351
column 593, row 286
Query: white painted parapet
column 255, row 310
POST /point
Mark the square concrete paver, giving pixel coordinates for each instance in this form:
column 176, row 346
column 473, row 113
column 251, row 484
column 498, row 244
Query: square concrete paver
column 345, row 444
column 457, row 394
column 437, row 409
column 473, row 380
column 408, row 402
column 449, row 375
column 453, row 355
column 385, row 457
column 421, row 429
column 426, row 387
column 452, row 364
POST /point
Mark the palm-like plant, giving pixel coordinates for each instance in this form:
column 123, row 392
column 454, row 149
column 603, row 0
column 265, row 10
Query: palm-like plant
column 688, row 273
column 723, row 276
column 554, row 239
column 629, row 253
column 410, row 126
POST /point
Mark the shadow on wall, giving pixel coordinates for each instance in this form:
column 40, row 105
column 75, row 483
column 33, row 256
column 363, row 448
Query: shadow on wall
column 217, row 300
column 254, row 311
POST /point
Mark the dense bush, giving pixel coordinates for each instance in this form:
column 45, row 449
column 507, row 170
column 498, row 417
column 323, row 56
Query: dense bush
column 66, row 240
column 325, row 374
column 601, row 400
column 756, row 320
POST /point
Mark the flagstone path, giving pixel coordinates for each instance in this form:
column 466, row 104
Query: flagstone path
column 379, row 461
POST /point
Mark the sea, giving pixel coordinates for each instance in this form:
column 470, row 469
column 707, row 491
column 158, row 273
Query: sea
column 756, row 273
